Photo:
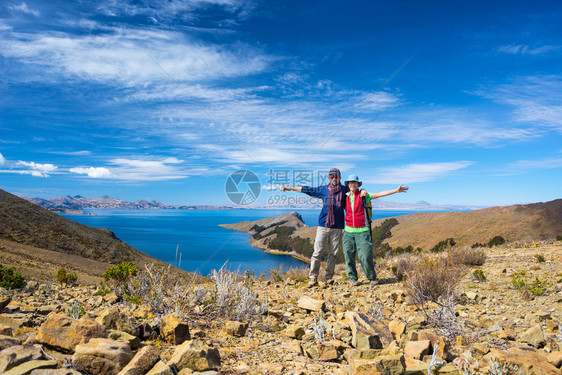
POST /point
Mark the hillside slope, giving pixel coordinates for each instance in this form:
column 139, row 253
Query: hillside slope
column 24, row 223
column 537, row 221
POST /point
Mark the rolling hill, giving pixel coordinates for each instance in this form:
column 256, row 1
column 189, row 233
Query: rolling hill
column 27, row 229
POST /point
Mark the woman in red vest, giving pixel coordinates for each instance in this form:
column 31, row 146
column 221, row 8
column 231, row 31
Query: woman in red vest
column 357, row 235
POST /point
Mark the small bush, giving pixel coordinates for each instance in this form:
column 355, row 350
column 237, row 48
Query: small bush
column 432, row 279
column 10, row 279
column 479, row 275
column 468, row 256
column 119, row 276
column 66, row 278
column 402, row 266
column 558, row 238
column 518, row 282
column 478, row 244
column 496, row 241
column 539, row 258
column 76, row 311
column 443, row 245
column 538, row 287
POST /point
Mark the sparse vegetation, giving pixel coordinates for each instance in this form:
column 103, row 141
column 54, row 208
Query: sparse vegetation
column 539, row 258
column 559, row 238
column 443, row 245
column 380, row 233
column 66, row 278
column 496, row 241
column 76, row 310
column 479, row 275
column 475, row 256
column 10, row 278
column 402, row 265
column 119, row 276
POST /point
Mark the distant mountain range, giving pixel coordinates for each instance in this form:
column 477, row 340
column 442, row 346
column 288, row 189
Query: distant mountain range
column 537, row 221
column 41, row 241
column 77, row 203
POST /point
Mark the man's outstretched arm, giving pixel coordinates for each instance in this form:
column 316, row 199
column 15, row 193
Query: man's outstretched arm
column 292, row 188
column 399, row 189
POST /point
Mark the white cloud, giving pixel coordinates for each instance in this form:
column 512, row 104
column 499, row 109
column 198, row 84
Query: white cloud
column 93, row 172
column 151, row 170
column 535, row 100
column 417, row 172
column 25, row 9
column 520, row 49
column 122, row 56
column 2, row 160
column 35, row 169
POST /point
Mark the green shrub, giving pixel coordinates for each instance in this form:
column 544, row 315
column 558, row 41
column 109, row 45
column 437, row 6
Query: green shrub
column 121, row 273
column 497, row 240
column 518, row 282
column 76, row 311
column 443, row 245
column 558, row 238
column 10, row 279
column 66, row 278
column 538, row 287
column 119, row 276
column 479, row 275
column 103, row 290
column 478, row 244
column 539, row 258
column 380, row 233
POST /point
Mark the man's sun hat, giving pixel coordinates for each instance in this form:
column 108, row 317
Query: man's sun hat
column 353, row 178
column 334, row 171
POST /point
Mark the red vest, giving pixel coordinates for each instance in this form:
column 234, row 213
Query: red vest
column 355, row 216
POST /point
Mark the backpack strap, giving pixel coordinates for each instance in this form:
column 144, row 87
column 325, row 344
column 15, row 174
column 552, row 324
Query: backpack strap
column 368, row 212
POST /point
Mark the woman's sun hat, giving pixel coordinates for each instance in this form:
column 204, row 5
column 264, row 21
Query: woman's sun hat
column 353, row 178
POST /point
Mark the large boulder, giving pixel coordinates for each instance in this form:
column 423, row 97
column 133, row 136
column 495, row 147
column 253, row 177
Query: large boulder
column 30, row 367
column 174, row 329
column 142, row 362
column 102, row 356
column 372, row 362
column 196, row 356
column 16, row 355
column 531, row 363
column 113, row 318
column 64, row 333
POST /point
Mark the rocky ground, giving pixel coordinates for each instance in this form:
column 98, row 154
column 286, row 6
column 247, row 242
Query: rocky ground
column 328, row 329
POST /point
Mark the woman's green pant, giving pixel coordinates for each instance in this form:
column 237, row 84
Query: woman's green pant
column 359, row 244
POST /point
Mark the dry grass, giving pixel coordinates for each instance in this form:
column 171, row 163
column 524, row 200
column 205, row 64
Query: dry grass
column 467, row 255
column 432, row 279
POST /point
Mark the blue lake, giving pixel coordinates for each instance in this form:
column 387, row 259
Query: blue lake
column 196, row 234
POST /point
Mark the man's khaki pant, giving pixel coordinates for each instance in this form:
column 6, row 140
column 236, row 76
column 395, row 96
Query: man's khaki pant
column 332, row 238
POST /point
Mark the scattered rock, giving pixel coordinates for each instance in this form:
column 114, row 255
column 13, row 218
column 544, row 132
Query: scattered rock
column 142, row 362
column 533, row 336
column 31, row 366
column 417, row 349
column 174, row 329
column 311, row 304
column 18, row 354
column 234, row 328
column 196, row 356
column 102, row 356
column 64, row 333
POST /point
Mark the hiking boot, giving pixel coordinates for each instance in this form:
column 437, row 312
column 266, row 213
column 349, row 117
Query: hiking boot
column 312, row 282
column 374, row 283
column 353, row 282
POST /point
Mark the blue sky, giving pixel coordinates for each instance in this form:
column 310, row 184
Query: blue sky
column 165, row 99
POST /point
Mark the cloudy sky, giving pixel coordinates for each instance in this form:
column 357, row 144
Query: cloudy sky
column 164, row 99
